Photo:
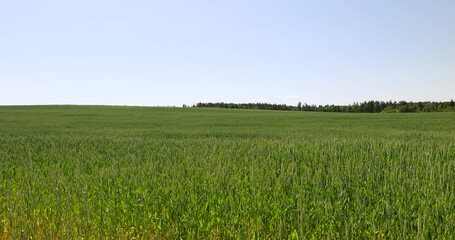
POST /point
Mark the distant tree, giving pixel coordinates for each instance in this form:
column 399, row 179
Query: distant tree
column 364, row 107
column 389, row 109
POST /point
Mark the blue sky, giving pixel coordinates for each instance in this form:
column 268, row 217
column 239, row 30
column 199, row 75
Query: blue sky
column 183, row 52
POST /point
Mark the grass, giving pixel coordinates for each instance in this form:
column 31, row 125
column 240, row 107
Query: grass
column 136, row 172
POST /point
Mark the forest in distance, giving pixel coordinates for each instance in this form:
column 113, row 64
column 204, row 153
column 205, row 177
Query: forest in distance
column 364, row 107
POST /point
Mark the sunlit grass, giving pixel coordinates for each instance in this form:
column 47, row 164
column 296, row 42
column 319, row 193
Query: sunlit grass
column 124, row 172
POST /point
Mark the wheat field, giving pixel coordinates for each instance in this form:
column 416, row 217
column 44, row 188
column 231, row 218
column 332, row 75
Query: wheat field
column 94, row 172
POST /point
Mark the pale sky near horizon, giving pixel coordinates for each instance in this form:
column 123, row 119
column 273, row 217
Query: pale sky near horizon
column 183, row 52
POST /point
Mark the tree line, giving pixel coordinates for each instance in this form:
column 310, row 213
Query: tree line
column 363, row 107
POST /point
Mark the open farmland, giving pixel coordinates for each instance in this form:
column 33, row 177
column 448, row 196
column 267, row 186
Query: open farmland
column 124, row 172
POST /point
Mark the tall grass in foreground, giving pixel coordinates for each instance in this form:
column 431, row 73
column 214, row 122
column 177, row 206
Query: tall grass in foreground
column 225, row 184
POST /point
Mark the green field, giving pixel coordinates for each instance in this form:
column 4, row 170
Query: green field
column 135, row 172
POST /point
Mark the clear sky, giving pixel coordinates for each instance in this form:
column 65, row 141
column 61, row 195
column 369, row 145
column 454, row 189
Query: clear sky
column 171, row 52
